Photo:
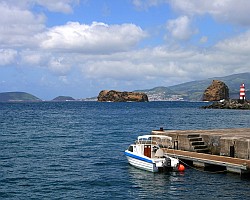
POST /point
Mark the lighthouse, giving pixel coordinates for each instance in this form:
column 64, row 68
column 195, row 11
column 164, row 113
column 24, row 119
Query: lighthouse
column 242, row 93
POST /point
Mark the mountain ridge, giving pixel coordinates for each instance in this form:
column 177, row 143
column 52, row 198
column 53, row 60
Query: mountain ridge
column 189, row 91
column 193, row 90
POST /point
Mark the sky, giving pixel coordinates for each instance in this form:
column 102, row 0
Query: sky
column 77, row 48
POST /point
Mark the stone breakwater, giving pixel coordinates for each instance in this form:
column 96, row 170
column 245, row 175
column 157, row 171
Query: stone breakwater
column 229, row 104
column 233, row 142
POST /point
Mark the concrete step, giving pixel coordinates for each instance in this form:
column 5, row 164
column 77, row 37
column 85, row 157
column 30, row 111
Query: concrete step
column 195, row 139
column 193, row 135
column 197, row 143
column 206, row 150
column 200, row 147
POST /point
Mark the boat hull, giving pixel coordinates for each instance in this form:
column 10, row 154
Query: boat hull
column 141, row 162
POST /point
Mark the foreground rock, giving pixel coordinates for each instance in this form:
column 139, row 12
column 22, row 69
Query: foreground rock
column 216, row 91
column 116, row 96
column 229, row 104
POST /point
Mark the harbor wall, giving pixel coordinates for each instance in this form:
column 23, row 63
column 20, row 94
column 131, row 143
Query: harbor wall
column 224, row 142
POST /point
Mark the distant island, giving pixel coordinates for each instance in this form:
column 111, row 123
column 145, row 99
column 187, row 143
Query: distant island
column 18, row 97
column 64, row 98
column 26, row 97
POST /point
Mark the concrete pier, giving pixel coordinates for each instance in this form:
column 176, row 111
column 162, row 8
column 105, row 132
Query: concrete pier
column 214, row 162
column 226, row 149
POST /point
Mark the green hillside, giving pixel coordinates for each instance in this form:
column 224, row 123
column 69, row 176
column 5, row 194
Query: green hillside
column 193, row 91
column 161, row 93
column 17, row 96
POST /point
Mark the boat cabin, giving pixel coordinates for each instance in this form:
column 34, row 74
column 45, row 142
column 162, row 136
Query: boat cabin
column 149, row 145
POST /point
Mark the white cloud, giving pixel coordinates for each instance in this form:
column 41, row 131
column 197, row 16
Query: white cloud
column 231, row 11
column 97, row 38
column 180, row 28
column 64, row 79
column 203, row 39
column 7, row 56
column 119, row 69
column 63, row 6
column 31, row 58
column 17, row 26
column 59, row 66
column 237, row 45
column 144, row 4
column 165, row 65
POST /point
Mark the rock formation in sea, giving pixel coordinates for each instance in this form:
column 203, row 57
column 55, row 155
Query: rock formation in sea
column 116, row 96
column 217, row 91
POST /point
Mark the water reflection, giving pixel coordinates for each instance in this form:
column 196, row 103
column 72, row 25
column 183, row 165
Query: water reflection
column 191, row 184
column 157, row 185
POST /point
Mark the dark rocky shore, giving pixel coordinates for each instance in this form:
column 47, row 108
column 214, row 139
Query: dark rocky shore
column 229, row 104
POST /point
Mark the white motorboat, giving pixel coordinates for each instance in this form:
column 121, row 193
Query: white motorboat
column 148, row 153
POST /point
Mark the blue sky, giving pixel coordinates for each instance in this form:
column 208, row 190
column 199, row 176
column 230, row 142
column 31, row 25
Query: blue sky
column 79, row 47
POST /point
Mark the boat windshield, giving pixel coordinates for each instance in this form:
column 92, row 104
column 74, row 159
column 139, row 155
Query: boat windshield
column 149, row 137
column 161, row 140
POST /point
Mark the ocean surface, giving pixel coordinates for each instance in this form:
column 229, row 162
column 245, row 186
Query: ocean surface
column 75, row 150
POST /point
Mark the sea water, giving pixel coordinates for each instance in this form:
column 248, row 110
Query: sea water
column 75, row 150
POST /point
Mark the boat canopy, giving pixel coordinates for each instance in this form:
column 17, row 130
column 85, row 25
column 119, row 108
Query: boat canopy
column 148, row 137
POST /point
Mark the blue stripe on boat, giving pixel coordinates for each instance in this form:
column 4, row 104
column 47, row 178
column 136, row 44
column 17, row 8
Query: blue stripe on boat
column 138, row 157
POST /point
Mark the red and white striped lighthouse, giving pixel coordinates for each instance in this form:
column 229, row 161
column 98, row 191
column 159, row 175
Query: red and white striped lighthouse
column 242, row 92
